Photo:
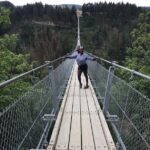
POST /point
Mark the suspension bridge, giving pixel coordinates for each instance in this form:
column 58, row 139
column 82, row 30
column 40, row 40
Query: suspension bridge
column 55, row 114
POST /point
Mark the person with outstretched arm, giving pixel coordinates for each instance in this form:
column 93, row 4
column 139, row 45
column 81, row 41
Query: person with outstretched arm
column 81, row 59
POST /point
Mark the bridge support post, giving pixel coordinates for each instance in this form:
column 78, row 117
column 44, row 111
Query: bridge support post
column 112, row 118
column 108, row 88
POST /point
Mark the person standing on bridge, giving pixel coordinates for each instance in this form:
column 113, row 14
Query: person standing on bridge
column 81, row 59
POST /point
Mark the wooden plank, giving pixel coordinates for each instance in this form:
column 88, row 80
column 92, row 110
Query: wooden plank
column 84, row 108
column 72, row 83
column 94, row 96
column 90, row 100
column 107, row 133
column 71, row 91
column 99, row 138
column 56, row 128
column 75, row 134
column 76, row 104
column 82, row 93
column 87, row 137
column 108, row 137
column 63, row 137
column 77, row 91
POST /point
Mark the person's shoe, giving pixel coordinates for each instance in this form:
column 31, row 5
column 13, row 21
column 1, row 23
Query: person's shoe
column 86, row 87
column 80, row 85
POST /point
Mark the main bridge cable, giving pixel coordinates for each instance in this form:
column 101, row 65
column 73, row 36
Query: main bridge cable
column 122, row 67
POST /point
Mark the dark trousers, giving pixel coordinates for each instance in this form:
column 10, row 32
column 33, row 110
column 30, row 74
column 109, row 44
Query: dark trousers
column 83, row 68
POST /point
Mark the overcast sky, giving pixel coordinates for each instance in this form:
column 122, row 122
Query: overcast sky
column 56, row 2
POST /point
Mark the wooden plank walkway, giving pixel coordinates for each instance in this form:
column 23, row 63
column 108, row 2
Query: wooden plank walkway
column 80, row 124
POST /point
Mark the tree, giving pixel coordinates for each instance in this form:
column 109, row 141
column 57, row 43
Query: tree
column 11, row 64
column 4, row 20
column 138, row 55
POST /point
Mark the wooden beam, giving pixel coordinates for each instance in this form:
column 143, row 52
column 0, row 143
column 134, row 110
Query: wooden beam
column 56, row 128
column 98, row 135
column 107, row 134
column 87, row 136
column 75, row 134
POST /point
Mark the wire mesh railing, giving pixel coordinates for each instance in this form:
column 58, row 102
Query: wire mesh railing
column 21, row 123
column 120, row 99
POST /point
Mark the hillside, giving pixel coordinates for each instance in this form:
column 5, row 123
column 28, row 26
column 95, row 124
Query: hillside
column 50, row 31
column 105, row 29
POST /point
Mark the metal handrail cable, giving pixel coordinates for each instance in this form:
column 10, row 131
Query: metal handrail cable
column 122, row 67
column 5, row 83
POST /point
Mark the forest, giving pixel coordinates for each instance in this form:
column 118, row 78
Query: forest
column 119, row 32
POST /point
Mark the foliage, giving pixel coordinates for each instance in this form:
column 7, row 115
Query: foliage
column 7, row 5
column 4, row 20
column 37, row 11
column 139, row 53
column 52, row 37
column 4, row 17
column 45, row 43
column 10, row 65
column 106, row 27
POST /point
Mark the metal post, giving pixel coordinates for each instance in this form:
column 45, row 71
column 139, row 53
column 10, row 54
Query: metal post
column 112, row 118
column 33, row 78
column 49, row 119
column 108, row 88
